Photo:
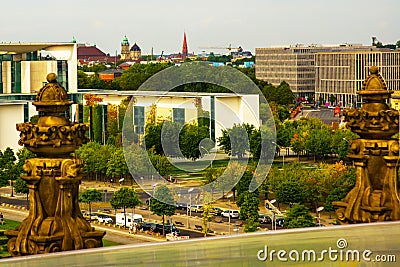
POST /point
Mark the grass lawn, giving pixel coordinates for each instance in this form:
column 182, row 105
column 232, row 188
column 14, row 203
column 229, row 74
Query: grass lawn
column 107, row 243
column 8, row 225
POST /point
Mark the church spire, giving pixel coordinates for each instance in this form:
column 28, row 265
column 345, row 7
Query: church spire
column 184, row 47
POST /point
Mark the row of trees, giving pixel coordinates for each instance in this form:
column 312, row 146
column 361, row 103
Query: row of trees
column 306, row 136
column 11, row 169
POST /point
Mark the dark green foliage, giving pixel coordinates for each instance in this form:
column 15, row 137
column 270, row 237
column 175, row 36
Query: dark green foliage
column 159, row 204
column 249, row 205
column 341, row 142
column 290, row 191
column 116, row 165
column 299, row 216
column 88, row 196
column 8, row 170
column 190, row 138
column 160, row 163
column 235, row 141
column 97, row 123
column 125, row 198
column 342, row 187
column 20, row 186
column 251, row 225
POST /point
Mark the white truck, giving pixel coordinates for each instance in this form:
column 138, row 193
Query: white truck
column 130, row 218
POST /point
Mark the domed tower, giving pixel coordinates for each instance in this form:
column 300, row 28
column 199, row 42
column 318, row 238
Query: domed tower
column 125, row 55
column 136, row 52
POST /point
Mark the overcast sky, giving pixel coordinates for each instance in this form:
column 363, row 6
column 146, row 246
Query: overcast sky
column 159, row 24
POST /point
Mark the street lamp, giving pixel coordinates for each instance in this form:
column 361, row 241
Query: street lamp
column 208, row 152
column 274, row 215
column 229, row 211
column 154, row 187
column 189, row 207
column 283, row 154
column 319, row 209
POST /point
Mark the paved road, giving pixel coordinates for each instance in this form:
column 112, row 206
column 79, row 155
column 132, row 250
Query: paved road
column 325, row 114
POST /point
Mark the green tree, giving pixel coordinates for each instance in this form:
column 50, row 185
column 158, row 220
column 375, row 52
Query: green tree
column 208, row 211
column 116, row 165
column 159, row 203
column 261, row 146
column 190, row 138
column 290, row 191
column 152, row 138
column 236, row 140
column 285, row 94
column 125, row 198
column 160, row 162
column 20, row 186
column 341, row 142
column 249, row 210
column 318, row 141
column 242, row 186
column 299, row 216
column 88, row 196
column 8, row 169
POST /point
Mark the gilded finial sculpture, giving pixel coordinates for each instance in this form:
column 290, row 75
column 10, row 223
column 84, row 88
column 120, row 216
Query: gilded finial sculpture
column 55, row 222
column 375, row 196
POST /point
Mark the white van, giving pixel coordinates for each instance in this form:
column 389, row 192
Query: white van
column 130, row 218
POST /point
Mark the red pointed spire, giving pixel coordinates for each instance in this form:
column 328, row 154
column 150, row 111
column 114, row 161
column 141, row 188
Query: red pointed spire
column 184, row 46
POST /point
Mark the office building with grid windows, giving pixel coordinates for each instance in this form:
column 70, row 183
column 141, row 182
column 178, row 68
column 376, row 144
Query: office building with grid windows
column 295, row 65
column 341, row 74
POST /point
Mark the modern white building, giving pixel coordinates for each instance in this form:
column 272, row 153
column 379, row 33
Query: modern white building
column 225, row 109
column 24, row 67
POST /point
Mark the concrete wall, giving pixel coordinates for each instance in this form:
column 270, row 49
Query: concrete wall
column 10, row 115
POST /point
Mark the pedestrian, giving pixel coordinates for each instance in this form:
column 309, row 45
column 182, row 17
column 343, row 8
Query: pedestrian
column 135, row 229
column 131, row 229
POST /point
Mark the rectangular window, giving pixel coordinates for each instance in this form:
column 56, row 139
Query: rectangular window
column 62, row 73
column 138, row 119
column 16, row 77
column 26, row 112
column 178, row 115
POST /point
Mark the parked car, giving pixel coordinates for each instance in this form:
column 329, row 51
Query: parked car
column 89, row 216
column 147, row 226
column 230, row 213
column 181, row 205
column 280, row 221
column 104, row 218
column 168, row 228
column 196, row 208
column 262, row 218
column 217, row 211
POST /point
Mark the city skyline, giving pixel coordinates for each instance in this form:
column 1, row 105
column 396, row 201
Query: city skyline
column 160, row 25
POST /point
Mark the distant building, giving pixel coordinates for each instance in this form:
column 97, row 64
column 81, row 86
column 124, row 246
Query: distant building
column 295, row 65
column 128, row 53
column 341, row 74
column 24, row 67
column 91, row 54
column 110, row 74
column 181, row 107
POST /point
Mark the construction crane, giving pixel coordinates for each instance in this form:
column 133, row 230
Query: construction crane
column 239, row 49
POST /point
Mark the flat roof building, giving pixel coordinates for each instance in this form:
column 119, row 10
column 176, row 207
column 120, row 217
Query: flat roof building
column 295, row 65
column 341, row 74
column 24, row 67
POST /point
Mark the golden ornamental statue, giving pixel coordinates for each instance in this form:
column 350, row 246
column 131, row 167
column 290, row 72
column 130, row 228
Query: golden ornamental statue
column 55, row 222
column 375, row 196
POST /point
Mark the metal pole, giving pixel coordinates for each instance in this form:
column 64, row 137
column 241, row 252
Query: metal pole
column 229, row 216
